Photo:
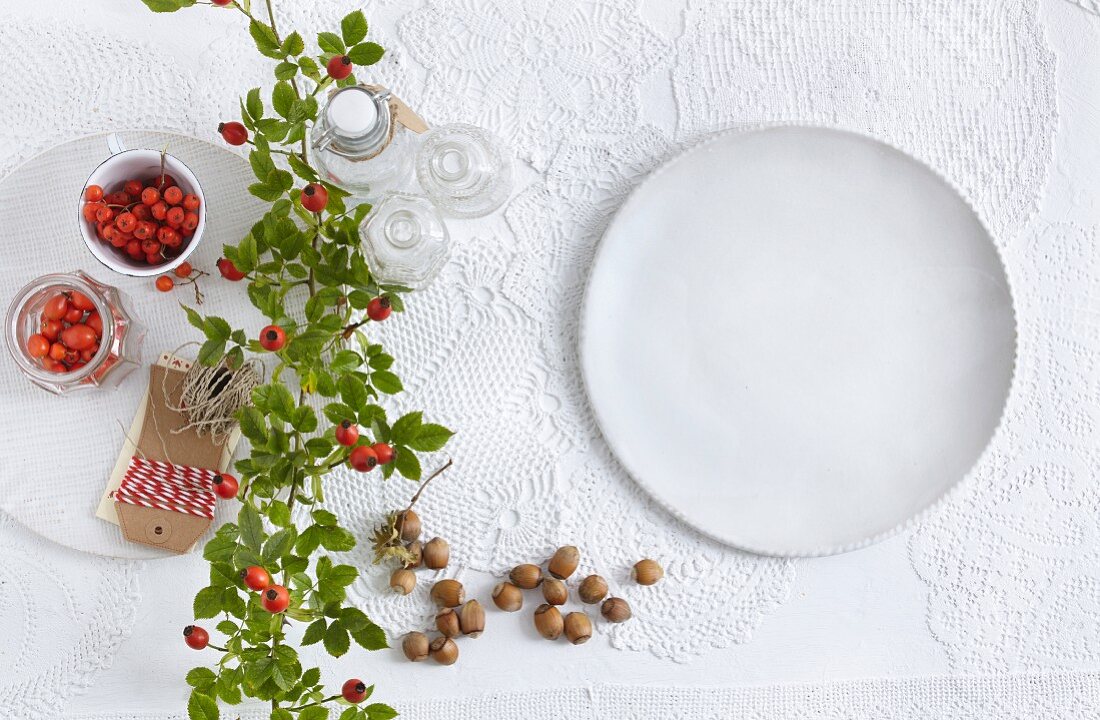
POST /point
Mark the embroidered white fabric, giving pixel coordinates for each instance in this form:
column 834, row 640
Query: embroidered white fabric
column 593, row 94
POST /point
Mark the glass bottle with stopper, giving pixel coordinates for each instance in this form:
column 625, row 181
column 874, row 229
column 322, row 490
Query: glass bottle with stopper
column 361, row 140
column 405, row 241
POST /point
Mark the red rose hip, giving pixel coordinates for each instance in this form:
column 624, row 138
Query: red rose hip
column 276, row 599
column 379, row 309
column 339, row 67
column 195, row 637
column 225, row 486
column 229, row 271
column 363, row 459
column 384, row 452
column 272, row 338
column 234, row 133
column 314, row 197
column 347, row 433
column 354, row 691
column 256, row 578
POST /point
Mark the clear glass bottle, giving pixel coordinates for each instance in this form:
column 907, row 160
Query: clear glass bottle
column 405, row 241
column 464, row 170
column 119, row 346
column 359, row 144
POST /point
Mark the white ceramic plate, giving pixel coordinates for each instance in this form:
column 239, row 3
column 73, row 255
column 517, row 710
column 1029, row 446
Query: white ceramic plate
column 797, row 339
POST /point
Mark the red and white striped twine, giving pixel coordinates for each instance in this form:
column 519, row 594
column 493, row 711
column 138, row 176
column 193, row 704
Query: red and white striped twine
column 164, row 486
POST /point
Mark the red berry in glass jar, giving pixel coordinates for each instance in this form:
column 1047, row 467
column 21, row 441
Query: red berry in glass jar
column 354, row 691
column 363, row 459
column 228, row 270
column 314, row 197
column 379, row 309
column 51, row 329
column 234, row 133
column 38, row 346
column 339, row 67
column 165, row 283
column 55, row 308
column 93, row 193
column 195, row 637
column 57, row 351
column 74, row 315
column 384, row 452
column 78, row 337
column 95, row 322
column 276, row 599
column 272, row 338
column 81, row 301
column 256, row 578
column 347, row 433
column 225, row 486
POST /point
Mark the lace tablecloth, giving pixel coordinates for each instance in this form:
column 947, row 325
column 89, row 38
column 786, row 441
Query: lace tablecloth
column 592, row 94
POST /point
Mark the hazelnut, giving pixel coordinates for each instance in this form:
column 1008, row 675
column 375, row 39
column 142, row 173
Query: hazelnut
column 578, row 628
column 416, row 558
column 548, row 622
column 402, row 581
column 526, row 576
column 508, row 597
column 593, row 589
column 415, row 646
column 444, row 650
column 471, row 618
column 564, row 562
column 554, row 591
column 408, row 524
column 448, row 593
column 446, row 622
column 647, row 572
column 615, row 610
column 436, row 554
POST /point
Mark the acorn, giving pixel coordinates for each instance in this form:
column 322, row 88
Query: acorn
column 647, row 572
column 416, row 553
column 554, row 591
column 578, row 628
column 444, row 650
column 448, row 593
column 615, row 610
column 526, row 576
column 507, row 597
column 446, row 621
column 415, row 646
column 402, row 581
column 592, row 589
column 408, row 524
column 548, row 622
column 471, row 618
column 436, row 554
column 564, row 562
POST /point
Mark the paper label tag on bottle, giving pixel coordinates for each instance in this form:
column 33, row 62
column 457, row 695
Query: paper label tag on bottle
column 404, row 114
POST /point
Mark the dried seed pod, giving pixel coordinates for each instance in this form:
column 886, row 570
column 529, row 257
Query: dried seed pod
column 554, row 591
column 446, row 621
column 408, row 524
column 578, row 628
column 444, row 650
column 402, row 581
column 416, row 553
column 593, row 589
column 615, row 610
column 436, row 554
column 471, row 618
column 415, row 646
column 448, row 593
column 564, row 562
column 507, row 597
column 526, row 576
column 647, row 572
column 548, row 622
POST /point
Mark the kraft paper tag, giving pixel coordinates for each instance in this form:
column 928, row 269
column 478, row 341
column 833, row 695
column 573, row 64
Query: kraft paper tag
column 402, row 113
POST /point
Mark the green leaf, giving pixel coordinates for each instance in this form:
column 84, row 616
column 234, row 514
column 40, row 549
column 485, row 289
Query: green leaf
column 261, row 163
column 317, row 712
column 431, row 437
column 342, row 575
column 336, row 640
column 211, row 352
column 253, row 425
column 279, row 513
column 202, row 707
column 217, row 329
column 278, row 545
column 330, row 43
column 281, row 714
column 407, row 463
column 280, row 401
column 366, row 53
column 208, row 602
column 407, row 427
column 304, row 420
column 353, row 391
column 352, row 713
column 254, row 104
column 337, row 539
column 163, row 6
column 283, row 98
column 264, row 192
column 201, row 677
column 378, row 711
column 265, row 39
column 252, row 527
column 301, row 169
column 386, row 382
column 194, row 318
column 371, row 637
column 354, row 27
column 294, row 44
column 315, row 632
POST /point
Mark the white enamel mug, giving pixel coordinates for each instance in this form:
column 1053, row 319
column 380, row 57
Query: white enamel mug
column 123, row 165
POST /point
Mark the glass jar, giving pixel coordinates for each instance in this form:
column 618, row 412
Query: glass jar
column 464, row 170
column 359, row 144
column 405, row 241
column 119, row 350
